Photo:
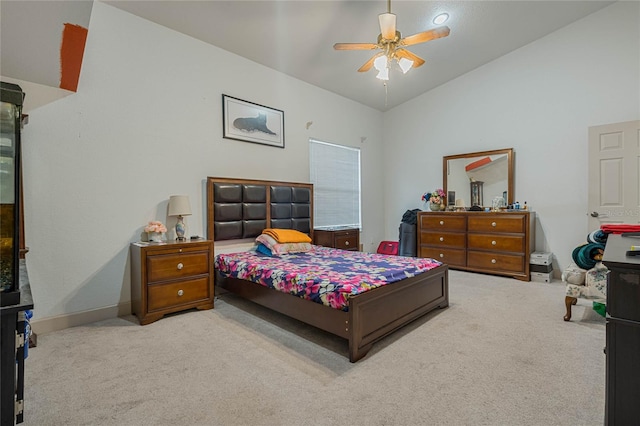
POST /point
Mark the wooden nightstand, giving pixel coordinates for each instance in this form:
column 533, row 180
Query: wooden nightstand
column 170, row 277
column 341, row 238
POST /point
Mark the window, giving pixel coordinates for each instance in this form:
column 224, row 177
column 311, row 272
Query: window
column 335, row 173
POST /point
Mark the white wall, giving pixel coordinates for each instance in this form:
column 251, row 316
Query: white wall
column 146, row 123
column 539, row 100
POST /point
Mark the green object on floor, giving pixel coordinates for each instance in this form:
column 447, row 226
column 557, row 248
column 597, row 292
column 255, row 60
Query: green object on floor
column 600, row 308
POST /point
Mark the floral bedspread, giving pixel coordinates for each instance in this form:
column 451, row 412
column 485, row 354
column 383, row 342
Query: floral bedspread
column 323, row 275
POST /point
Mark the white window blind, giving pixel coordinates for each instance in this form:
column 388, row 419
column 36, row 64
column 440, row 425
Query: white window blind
column 335, row 174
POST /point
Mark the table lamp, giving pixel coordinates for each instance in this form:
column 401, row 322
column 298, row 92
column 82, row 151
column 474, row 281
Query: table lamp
column 179, row 206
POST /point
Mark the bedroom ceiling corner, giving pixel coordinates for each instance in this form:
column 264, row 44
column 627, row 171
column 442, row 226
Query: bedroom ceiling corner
column 42, row 46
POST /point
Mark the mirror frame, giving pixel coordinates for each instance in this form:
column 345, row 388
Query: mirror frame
column 510, row 168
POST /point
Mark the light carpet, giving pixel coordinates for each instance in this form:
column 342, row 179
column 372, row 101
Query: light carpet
column 500, row 354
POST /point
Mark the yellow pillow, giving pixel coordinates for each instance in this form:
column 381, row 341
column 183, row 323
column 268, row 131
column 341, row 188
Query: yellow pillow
column 287, row 235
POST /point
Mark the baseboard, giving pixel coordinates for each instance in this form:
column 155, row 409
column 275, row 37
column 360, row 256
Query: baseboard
column 60, row 322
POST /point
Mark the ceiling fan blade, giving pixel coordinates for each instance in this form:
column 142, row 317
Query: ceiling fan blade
column 387, row 25
column 425, row 36
column 355, row 46
column 417, row 60
column 367, row 65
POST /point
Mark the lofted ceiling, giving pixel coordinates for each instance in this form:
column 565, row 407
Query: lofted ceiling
column 297, row 37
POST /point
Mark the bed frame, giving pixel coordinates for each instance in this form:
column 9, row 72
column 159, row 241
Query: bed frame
column 241, row 208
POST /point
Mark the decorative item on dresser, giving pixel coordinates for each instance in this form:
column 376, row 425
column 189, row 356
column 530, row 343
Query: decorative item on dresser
column 345, row 238
column 179, row 206
column 170, row 277
column 496, row 243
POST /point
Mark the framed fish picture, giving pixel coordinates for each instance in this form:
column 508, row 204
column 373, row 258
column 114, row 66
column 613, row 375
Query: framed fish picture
column 250, row 122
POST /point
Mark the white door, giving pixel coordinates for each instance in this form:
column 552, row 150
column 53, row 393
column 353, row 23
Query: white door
column 614, row 174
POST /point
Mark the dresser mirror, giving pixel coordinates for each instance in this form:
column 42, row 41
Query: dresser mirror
column 483, row 179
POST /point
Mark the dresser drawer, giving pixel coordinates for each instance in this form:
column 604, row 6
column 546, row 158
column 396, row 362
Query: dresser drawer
column 443, row 239
column 177, row 265
column 496, row 261
column 162, row 296
column 346, row 242
column 447, row 222
column 496, row 242
column 486, row 222
column 453, row 257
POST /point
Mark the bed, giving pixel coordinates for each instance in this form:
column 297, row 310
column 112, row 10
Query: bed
column 239, row 210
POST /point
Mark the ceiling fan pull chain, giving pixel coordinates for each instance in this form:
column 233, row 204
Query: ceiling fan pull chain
column 386, row 93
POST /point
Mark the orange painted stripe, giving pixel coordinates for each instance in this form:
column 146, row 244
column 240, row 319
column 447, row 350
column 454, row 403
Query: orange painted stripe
column 479, row 163
column 74, row 38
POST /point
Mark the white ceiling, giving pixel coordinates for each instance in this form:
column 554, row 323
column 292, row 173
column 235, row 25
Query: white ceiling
column 297, row 37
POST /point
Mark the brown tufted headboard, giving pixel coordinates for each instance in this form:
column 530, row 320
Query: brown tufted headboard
column 242, row 208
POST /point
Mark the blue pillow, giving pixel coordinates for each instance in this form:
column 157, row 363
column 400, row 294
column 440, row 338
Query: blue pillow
column 264, row 249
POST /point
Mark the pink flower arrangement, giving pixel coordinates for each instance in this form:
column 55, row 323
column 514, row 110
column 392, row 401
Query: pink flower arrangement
column 155, row 226
column 436, row 197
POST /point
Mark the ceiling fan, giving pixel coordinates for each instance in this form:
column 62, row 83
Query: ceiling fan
column 393, row 46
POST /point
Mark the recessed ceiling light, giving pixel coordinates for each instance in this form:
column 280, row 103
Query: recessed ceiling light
column 441, row 19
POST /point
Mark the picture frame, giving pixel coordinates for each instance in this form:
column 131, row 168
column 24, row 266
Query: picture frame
column 251, row 122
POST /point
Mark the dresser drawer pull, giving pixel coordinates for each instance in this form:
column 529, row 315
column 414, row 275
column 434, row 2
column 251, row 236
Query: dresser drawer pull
column 180, row 292
column 441, row 238
column 441, row 255
column 493, row 261
column 346, row 243
column 493, row 224
column 442, row 222
column 493, row 243
column 180, row 266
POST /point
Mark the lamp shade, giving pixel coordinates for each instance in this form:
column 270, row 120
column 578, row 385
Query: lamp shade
column 179, row 205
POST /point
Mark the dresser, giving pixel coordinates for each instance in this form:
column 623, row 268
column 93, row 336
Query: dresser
column 341, row 238
column 623, row 332
column 490, row 242
column 170, row 277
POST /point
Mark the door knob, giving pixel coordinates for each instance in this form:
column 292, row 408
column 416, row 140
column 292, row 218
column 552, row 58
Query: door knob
column 595, row 214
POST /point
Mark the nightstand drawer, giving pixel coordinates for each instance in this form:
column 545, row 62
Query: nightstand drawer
column 178, row 265
column 346, row 242
column 344, row 238
column 161, row 296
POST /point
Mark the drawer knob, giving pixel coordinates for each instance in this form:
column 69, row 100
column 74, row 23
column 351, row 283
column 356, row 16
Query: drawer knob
column 493, row 261
column 442, row 222
column 180, row 266
column 441, row 255
column 493, row 224
column 346, row 243
column 441, row 238
column 180, row 292
column 493, row 243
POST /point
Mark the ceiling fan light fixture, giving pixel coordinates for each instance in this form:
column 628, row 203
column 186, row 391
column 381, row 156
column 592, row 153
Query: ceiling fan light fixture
column 387, row 25
column 381, row 63
column 405, row 64
column 441, row 18
column 383, row 74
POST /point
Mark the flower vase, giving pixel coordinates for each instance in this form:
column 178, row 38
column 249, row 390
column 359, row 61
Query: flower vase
column 435, row 207
column 154, row 237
